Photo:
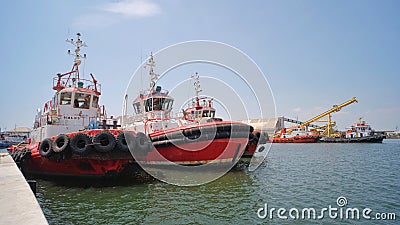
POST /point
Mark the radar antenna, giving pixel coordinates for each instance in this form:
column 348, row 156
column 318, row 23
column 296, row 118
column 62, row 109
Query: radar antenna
column 153, row 76
column 197, row 89
column 78, row 44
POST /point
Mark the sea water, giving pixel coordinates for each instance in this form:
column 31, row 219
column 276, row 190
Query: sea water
column 294, row 178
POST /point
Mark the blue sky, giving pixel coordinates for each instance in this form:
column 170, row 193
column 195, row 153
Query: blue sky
column 314, row 53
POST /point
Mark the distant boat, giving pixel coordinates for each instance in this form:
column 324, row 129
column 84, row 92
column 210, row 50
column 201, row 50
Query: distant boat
column 294, row 135
column 4, row 144
column 15, row 139
column 361, row 132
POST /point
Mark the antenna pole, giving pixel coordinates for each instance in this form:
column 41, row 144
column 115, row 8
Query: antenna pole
column 153, row 76
column 77, row 61
column 197, row 89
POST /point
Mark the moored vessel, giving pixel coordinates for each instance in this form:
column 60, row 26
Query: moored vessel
column 71, row 136
column 361, row 132
column 4, row 144
column 295, row 135
column 302, row 133
column 188, row 140
column 201, row 110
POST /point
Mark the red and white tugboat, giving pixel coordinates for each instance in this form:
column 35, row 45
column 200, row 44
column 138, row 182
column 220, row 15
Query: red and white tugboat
column 294, row 135
column 188, row 141
column 71, row 136
column 201, row 110
column 361, row 132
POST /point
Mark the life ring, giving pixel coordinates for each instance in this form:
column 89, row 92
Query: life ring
column 143, row 143
column 80, row 144
column 104, row 141
column 60, row 143
column 45, row 148
column 126, row 141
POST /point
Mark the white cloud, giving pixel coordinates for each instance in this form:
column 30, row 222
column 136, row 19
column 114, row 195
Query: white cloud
column 111, row 13
column 133, row 8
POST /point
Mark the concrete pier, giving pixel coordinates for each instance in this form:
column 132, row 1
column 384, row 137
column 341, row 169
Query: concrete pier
column 18, row 205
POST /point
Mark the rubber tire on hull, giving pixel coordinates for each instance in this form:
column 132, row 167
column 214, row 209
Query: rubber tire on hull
column 60, row 143
column 126, row 140
column 45, row 148
column 104, row 141
column 80, row 144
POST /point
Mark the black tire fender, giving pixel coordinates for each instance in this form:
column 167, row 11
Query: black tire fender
column 125, row 141
column 45, row 148
column 104, row 141
column 80, row 144
column 60, row 143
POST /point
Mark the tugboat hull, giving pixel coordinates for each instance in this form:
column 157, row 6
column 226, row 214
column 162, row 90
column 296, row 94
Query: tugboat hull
column 369, row 139
column 66, row 164
column 218, row 151
column 218, row 143
column 84, row 168
column 296, row 139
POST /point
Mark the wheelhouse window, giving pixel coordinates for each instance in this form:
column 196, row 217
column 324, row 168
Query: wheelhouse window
column 167, row 105
column 95, row 101
column 212, row 113
column 82, row 100
column 65, row 98
column 197, row 114
column 158, row 103
column 148, row 105
column 136, row 108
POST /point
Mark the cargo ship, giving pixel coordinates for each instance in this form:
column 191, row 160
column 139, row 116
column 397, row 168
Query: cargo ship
column 71, row 136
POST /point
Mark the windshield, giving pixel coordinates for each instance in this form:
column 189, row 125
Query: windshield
column 82, row 100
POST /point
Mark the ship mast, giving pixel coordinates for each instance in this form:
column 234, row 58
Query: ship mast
column 197, row 89
column 77, row 61
column 153, row 76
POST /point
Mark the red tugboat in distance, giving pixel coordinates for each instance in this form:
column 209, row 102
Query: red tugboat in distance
column 295, row 135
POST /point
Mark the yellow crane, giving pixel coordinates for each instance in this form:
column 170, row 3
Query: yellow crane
column 329, row 125
column 323, row 128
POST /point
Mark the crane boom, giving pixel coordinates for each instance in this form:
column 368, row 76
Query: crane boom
column 335, row 108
